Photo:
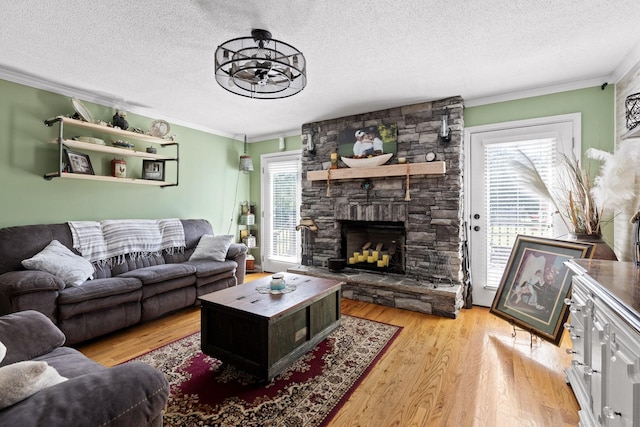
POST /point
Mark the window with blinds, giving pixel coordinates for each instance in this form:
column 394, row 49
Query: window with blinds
column 283, row 180
column 511, row 208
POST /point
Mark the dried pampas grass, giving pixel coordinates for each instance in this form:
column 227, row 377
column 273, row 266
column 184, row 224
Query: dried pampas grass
column 616, row 183
column 582, row 204
column 571, row 194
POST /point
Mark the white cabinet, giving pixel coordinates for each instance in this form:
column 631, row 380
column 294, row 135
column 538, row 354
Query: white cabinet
column 605, row 370
column 107, row 149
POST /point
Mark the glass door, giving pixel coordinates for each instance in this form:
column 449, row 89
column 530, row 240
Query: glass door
column 281, row 196
column 498, row 204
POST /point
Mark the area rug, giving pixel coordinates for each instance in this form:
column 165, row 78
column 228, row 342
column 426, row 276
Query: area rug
column 208, row 392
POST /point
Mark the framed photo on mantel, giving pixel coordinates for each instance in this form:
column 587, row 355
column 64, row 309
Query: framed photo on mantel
column 368, row 140
column 535, row 283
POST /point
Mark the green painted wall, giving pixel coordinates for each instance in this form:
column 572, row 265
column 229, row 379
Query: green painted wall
column 596, row 105
column 211, row 186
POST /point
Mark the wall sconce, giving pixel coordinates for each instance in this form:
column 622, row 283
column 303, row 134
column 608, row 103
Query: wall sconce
column 445, row 132
column 311, row 148
column 246, row 164
column 281, row 145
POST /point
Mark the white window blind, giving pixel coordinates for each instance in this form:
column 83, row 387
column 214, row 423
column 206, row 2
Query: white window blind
column 512, row 209
column 283, row 179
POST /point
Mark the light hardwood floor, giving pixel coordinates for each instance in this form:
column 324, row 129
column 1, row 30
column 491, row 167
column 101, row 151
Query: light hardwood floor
column 438, row 372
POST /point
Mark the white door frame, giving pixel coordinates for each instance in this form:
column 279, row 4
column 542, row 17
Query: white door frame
column 483, row 295
column 272, row 266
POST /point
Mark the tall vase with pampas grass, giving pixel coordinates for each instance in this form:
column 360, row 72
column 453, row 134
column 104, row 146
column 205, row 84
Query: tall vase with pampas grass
column 618, row 185
column 584, row 205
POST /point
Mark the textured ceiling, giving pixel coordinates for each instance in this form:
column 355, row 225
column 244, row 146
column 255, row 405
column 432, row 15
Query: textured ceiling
column 155, row 57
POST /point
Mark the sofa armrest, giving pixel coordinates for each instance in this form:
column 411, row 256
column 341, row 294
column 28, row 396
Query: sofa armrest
column 133, row 394
column 28, row 334
column 29, row 281
column 238, row 253
column 30, row 290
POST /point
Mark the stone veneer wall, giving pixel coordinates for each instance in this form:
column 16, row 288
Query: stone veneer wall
column 432, row 217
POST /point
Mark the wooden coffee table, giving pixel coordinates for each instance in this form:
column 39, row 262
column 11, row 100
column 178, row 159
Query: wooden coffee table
column 263, row 333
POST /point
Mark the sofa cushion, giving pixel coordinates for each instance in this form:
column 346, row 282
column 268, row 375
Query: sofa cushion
column 98, row 295
column 43, row 335
column 152, row 289
column 22, row 379
column 206, row 268
column 212, row 247
column 160, row 273
column 58, row 260
column 99, row 288
column 70, row 362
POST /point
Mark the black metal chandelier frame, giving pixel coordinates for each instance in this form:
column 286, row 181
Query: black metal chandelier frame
column 260, row 67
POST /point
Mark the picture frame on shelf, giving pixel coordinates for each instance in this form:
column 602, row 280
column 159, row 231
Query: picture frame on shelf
column 153, row 170
column 78, row 162
column 535, row 284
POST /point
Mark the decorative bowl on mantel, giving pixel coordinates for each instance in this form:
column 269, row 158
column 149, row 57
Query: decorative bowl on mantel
column 367, row 162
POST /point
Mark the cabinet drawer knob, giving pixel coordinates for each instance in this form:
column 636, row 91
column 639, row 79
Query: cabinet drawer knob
column 567, row 326
column 608, row 412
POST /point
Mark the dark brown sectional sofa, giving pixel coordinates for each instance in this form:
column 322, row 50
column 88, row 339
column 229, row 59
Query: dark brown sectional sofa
column 118, row 296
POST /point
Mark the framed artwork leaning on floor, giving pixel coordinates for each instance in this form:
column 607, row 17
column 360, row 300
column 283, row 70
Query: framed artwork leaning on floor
column 535, row 283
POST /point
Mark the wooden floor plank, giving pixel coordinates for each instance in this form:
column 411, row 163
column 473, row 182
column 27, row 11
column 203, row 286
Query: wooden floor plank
column 468, row 371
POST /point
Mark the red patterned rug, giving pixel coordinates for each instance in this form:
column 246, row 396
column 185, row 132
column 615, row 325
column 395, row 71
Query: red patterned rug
column 207, row 392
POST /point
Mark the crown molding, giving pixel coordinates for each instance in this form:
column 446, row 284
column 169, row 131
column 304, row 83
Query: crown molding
column 547, row 90
column 27, row 79
column 630, row 62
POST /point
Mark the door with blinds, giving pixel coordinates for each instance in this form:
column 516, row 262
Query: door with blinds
column 498, row 204
column 281, row 198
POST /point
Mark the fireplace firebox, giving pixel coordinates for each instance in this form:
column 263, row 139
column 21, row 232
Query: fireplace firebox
column 374, row 245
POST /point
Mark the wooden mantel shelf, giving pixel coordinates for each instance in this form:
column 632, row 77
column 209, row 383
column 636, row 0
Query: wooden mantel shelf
column 432, row 168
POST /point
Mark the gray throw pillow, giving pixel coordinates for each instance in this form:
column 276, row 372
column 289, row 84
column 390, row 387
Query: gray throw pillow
column 212, row 248
column 58, row 260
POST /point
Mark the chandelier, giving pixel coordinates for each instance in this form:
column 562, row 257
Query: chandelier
column 260, row 67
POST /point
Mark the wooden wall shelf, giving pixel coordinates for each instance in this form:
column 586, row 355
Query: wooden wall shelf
column 88, row 146
column 432, row 168
column 108, row 130
column 104, row 178
column 110, row 150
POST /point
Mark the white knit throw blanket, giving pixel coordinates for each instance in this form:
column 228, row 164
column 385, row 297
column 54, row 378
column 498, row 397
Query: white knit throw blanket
column 110, row 240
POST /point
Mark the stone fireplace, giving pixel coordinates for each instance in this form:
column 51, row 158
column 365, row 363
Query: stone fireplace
column 365, row 238
column 416, row 218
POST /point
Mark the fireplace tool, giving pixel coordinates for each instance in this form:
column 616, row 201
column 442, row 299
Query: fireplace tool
column 307, row 226
column 440, row 270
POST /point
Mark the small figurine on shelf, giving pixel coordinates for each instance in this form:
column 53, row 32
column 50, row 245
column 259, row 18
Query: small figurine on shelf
column 120, row 119
column 244, row 208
